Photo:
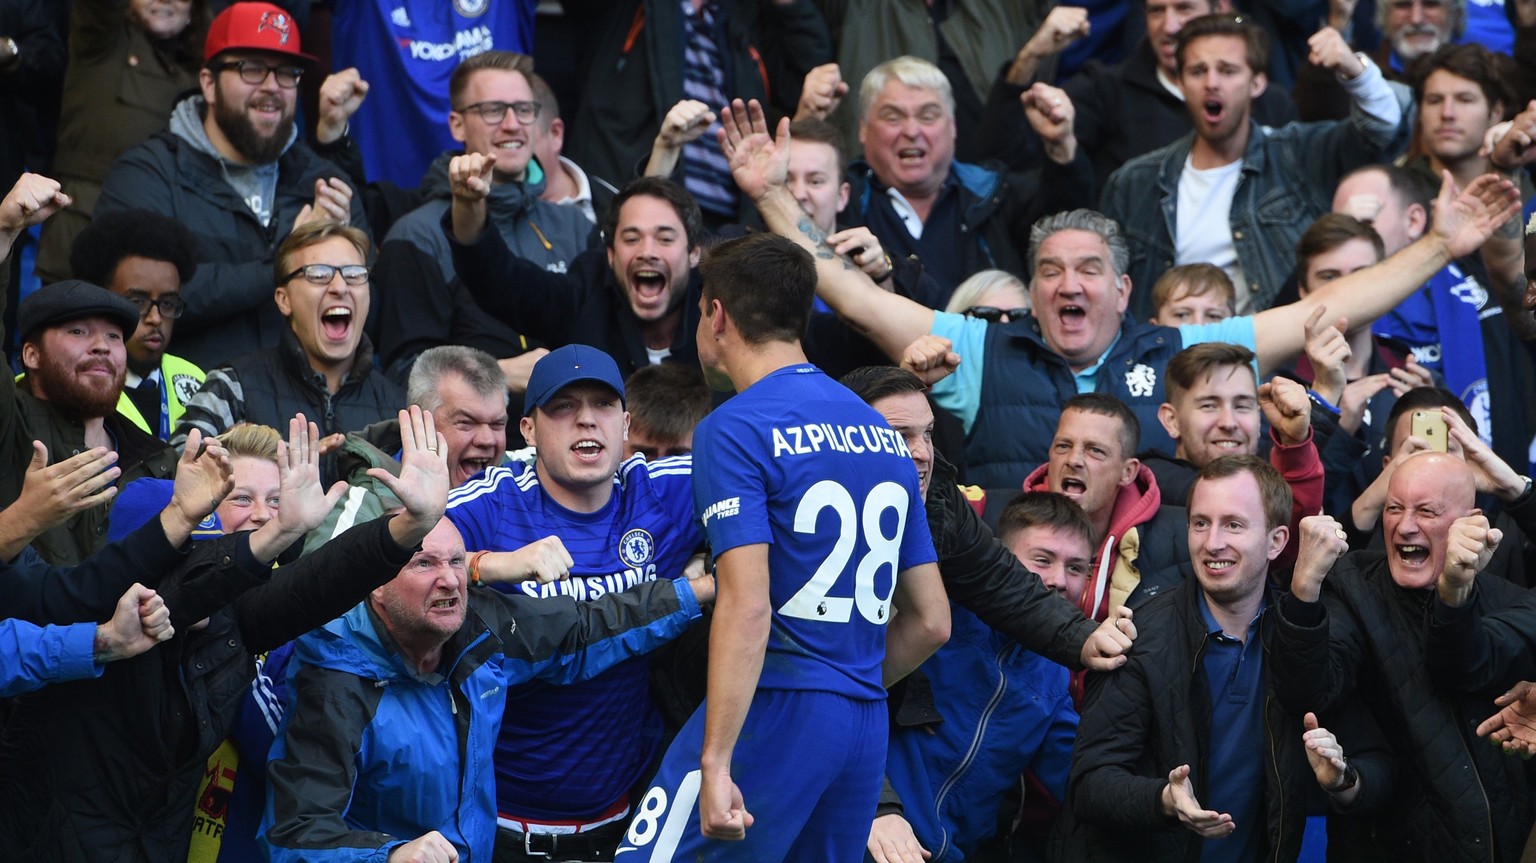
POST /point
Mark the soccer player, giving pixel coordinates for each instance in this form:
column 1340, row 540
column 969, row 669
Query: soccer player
column 812, row 508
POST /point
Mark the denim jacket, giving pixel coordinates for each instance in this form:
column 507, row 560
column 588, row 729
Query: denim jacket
column 1288, row 178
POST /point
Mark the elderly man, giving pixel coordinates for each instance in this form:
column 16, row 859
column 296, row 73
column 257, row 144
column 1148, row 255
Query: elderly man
column 1078, row 337
column 385, row 752
column 465, row 390
column 956, row 218
column 231, row 167
column 323, row 364
column 1356, row 623
column 111, row 768
column 494, row 113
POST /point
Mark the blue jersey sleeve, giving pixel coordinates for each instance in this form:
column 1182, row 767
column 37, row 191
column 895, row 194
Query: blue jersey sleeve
column 730, row 488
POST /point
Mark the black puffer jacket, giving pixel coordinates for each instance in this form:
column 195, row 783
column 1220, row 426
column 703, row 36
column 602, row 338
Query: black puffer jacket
column 1153, row 715
column 1459, row 799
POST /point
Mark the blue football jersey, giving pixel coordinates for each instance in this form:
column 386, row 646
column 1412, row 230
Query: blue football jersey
column 406, row 50
column 567, row 753
column 798, row 462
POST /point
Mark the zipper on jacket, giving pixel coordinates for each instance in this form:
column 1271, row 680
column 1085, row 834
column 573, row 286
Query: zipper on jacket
column 970, row 753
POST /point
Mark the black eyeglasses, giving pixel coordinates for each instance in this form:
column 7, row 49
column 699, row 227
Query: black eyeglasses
column 993, row 314
column 169, row 309
column 321, row 274
column 255, row 72
column 495, row 112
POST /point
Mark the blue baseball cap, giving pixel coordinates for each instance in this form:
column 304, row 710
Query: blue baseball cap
column 141, row 500
column 568, row 365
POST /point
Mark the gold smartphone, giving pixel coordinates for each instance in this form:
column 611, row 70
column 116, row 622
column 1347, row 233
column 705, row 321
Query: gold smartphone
column 1430, row 426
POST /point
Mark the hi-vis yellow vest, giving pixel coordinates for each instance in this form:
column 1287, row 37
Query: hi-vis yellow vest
column 179, row 379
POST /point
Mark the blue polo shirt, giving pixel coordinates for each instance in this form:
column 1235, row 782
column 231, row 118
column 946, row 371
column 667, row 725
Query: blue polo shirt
column 1235, row 765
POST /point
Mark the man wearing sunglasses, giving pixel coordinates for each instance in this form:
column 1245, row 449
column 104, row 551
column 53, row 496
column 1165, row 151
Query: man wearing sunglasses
column 323, row 365
column 231, row 167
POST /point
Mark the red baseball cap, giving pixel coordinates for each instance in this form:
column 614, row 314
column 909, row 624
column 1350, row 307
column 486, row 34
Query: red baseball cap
column 254, row 27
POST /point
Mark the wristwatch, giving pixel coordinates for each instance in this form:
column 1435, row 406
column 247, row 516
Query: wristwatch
column 1351, row 776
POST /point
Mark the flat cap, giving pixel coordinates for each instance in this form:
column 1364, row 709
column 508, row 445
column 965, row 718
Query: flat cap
column 71, row 300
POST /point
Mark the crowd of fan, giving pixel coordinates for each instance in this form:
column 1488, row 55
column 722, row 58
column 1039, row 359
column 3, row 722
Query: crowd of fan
column 1221, row 325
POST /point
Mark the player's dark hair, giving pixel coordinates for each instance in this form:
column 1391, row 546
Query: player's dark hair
column 764, row 282
column 111, row 237
column 1049, row 509
column 682, row 203
column 1274, row 491
column 1107, row 405
column 667, row 401
column 873, row 383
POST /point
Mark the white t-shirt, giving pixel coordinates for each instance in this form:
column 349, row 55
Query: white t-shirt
column 1203, row 221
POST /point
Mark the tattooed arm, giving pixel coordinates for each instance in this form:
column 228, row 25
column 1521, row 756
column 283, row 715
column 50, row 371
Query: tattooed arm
column 759, row 162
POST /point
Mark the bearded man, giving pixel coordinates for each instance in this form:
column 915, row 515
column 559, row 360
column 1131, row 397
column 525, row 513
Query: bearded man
column 73, row 337
column 230, row 166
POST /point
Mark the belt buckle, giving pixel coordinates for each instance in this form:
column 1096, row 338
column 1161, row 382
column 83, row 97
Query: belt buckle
column 528, row 846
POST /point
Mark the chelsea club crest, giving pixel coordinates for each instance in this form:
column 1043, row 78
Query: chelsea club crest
column 636, row 548
column 471, row 8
